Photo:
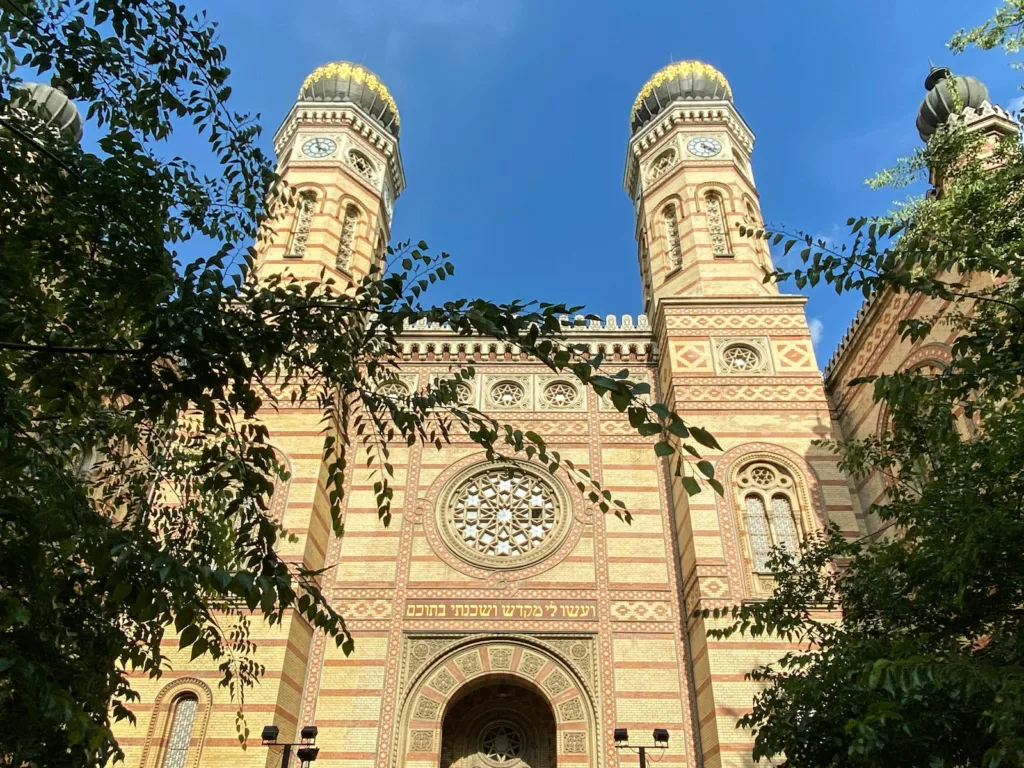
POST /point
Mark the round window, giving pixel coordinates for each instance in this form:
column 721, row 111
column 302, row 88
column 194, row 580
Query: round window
column 507, row 394
column 393, row 389
column 560, row 394
column 501, row 743
column 741, row 358
column 503, row 516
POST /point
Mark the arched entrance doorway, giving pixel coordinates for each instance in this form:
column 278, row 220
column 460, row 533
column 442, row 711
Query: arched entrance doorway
column 498, row 722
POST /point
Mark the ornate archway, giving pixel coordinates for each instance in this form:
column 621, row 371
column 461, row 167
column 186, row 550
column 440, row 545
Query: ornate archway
column 498, row 722
column 522, row 670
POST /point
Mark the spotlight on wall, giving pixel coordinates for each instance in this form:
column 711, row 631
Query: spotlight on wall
column 309, row 732
column 307, row 755
column 660, row 736
column 621, row 735
column 269, row 734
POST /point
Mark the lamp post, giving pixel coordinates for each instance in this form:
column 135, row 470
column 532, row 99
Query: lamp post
column 660, row 737
column 306, row 752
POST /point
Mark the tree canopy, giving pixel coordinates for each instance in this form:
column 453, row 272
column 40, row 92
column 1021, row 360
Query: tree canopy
column 926, row 666
column 135, row 474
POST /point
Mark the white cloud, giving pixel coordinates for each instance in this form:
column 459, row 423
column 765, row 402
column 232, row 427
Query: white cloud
column 1016, row 105
column 816, row 328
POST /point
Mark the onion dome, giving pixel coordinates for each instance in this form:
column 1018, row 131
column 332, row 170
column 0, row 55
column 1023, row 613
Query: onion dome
column 347, row 82
column 53, row 105
column 940, row 102
column 679, row 81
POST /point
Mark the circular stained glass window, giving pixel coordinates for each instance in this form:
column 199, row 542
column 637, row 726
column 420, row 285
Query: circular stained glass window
column 501, row 743
column 741, row 359
column 504, row 516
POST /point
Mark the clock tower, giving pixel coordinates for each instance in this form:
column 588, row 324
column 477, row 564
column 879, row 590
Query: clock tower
column 735, row 357
column 338, row 150
column 688, row 172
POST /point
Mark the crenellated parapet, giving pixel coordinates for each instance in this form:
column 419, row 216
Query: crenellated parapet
column 616, row 338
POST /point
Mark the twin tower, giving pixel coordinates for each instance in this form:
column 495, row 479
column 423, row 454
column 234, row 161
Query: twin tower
column 688, row 173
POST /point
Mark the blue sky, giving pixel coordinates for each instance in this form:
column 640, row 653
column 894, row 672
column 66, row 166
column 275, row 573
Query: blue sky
column 515, row 116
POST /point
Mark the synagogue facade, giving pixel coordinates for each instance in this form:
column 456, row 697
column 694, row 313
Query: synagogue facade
column 500, row 619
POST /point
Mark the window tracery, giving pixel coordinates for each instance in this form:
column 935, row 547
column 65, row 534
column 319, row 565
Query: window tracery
column 770, row 511
column 741, row 358
column 662, row 163
column 560, row 394
column 347, row 239
column 504, row 513
column 361, row 164
column 675, row 248
column 303, row 222
column 180, row 737
column 507, row 394
column 717, row 227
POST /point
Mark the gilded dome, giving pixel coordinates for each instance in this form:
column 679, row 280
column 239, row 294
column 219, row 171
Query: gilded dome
column 940, row 101
column 347, row 82
column 679, row 81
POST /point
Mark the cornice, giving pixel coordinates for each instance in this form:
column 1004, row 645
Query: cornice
column 684, row 113
column 343, row 115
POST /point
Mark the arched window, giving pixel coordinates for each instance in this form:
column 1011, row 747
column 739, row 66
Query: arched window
column 180, row 735
column 303, row 220
column 674, row 247
column 718, row 230
column 348, row 237
column 770, row 511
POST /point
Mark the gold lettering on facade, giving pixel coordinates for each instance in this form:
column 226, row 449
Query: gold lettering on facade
column 501, row 610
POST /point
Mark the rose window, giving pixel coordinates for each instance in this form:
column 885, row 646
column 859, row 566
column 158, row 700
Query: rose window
column 762, row 476
column 504, row 513
column 507, row 394
column 463, row 394
column 741, row 358
column 560, row 394
column 501, row 743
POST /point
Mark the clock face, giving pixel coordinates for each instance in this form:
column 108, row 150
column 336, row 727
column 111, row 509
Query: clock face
column 319, row 147
column 704, row 146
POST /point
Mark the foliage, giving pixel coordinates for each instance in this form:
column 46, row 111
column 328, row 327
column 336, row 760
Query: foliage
column 927, row 665
column 135, row 476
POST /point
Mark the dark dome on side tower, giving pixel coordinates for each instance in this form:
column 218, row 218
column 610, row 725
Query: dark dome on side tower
column 940, row 102
column 679, row 81
column 343, row 81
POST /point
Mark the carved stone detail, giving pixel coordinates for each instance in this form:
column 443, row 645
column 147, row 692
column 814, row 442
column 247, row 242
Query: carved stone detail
column 443, row 681
column 426, row 709
column 574, row 743
column 501, row 658
column 530, row 664
column 555, row 683
column 572, row 709
column 422, row 741
column 469, row 663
